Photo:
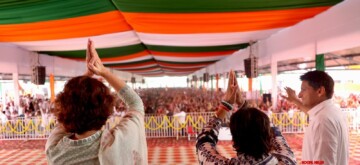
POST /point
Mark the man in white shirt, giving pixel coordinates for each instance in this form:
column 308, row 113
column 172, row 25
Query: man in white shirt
column 326, row 138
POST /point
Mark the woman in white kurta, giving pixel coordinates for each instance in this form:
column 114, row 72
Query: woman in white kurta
column 82, row 110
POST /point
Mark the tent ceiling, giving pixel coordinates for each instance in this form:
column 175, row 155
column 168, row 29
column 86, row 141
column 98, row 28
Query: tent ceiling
column 150, row 38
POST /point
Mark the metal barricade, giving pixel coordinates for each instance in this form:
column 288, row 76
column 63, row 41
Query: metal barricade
column 290, row 123
column 24, row 129
column 161, row 126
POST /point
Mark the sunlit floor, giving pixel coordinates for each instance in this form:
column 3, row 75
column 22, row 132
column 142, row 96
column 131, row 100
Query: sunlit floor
column 164, row 151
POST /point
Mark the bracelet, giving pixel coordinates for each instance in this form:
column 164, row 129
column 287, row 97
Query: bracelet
column 276, row 131
column 227, row 105
column 224, row 108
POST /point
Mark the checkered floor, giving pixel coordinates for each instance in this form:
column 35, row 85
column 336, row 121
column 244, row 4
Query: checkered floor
column 166, row 151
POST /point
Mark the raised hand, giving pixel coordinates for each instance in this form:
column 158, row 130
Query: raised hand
column 291, row 95
column 88, row 58
column 232, row 89
column 230, row 97
column 94, row 64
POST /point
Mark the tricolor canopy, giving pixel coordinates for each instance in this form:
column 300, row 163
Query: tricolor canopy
column 150, row 37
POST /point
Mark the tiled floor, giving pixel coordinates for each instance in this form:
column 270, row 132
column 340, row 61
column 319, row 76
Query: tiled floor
column 168, row 151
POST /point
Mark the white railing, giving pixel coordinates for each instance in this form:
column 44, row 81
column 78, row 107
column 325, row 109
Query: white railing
column 159, row 126
column 290, row 123
column 23, row 129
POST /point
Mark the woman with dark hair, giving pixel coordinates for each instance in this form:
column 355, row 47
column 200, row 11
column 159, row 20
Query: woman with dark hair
column 254, row 139
column 82, row 110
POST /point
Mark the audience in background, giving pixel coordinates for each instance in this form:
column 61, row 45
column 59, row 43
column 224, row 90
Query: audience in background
column 167, row 101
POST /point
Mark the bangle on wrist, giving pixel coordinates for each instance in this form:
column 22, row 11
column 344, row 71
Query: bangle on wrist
column 227, row 105
column 276, row 131
column 224, row 108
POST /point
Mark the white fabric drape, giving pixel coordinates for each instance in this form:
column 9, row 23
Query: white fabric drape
column 101, row 41
column 205, row 39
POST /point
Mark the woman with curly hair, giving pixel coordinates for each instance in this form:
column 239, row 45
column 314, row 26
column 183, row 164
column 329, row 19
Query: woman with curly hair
column 83, row 108
column 254, row 139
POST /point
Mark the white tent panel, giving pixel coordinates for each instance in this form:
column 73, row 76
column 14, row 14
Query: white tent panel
column 335, row 29
column 14, row 59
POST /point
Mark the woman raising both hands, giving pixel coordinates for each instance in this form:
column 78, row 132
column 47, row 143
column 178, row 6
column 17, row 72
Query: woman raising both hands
column 83, row 108
column 254, row 140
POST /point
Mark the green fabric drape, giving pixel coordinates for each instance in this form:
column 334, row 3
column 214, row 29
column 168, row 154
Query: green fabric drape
column 196, row 48
column 5, row 3
column 25, row 11
column 127, row 50
column 191, row 6
column 131, row 63
column 139, row 69
column 105, row 52
column 195, row 63
column 35, row 10
column 152, row 60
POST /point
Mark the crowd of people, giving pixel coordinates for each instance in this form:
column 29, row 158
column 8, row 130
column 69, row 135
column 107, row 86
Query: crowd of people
column 164, row 101
column 352, row 101
column 29, row 107
column 167, row 101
